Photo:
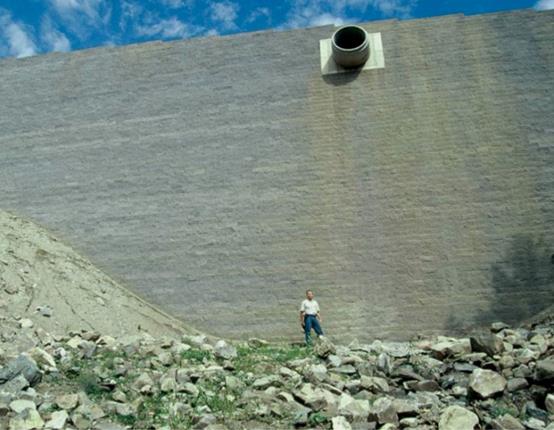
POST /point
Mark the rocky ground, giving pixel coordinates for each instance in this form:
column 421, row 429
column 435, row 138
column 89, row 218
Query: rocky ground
column 499, row 379
column 78, row 351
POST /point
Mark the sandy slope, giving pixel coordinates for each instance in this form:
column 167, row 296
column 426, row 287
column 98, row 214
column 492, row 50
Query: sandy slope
column 37, row 270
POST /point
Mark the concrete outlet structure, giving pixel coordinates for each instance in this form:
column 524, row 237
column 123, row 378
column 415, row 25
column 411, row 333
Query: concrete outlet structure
column 221, row 177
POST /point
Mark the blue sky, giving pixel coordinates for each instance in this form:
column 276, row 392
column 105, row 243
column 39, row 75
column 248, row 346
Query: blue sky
column 31, row 27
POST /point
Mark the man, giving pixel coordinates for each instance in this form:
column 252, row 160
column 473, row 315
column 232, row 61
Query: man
column 310, row 316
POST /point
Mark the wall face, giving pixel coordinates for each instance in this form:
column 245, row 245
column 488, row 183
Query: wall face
column 219, row 178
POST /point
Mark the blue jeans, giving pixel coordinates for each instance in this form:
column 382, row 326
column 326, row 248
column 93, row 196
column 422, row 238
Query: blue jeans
column 310, row 321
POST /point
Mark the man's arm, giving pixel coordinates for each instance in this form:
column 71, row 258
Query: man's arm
column 318, row 316
column 302, row 318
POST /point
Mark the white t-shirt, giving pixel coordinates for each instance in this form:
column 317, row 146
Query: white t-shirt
column 309, row 307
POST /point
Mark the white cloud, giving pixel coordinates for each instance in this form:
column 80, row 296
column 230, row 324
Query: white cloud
column 166, row 28
column 15, row 38
column 544, row 5
column 398, row 8
column 145, row 23
column 225, row 13
column 81, row 15
column 309, row 13
column 54, row 39
column 325, row 19
column 176, row 4
column 261, row 12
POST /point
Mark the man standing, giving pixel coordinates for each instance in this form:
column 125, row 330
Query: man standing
column 310, row 316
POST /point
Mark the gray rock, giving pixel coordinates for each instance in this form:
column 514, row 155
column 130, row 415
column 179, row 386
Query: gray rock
column 507, row 422
column 517, row 384
column 205, row 421
column 486, row 383
column 16, row 385
column 384, row 363
column 383, row 411
column 545, row 369
column 340, row 423
column 445, row 347
column 27, row 419
column 44, row 311
column 22, row 365
column 107, row 425
column 457, row 418
column 346, row 369
column 266, row 381
column 43, row 359
column 166, row 358
column 143, row 383
column 488, row 343
column 315, row 398
column 196, row 341
column 324, row 347
column 427, row 385
column 57, row 420
column 533, row 411
column 374, row 384
column 168, row 384
column 498, row 326
column 534, row 424
column 190, row 388
column 355, row 410
column 19, row 406
column 316, row 373
column 257, row 343
column 549, row 403
column 125, row 409
column 506, row 362
column 334, row 360
column 90, row 411
column 223, row 350
column 68, row 401
column 300, row 414
column 26, row 323
column 405, row 407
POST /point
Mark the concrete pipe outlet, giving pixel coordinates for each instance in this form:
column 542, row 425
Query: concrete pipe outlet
column 350, row 46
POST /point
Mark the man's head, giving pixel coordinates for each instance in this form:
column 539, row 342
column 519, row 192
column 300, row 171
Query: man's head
column 309, row 294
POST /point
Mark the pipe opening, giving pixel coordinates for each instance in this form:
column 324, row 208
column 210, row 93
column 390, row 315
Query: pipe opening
column 350, row 46
column 350, row 37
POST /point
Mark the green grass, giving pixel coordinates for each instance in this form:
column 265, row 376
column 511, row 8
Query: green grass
column 317, row 418
column 249, row 359
column 500, row 409
column 154, row 411
column 196, row 355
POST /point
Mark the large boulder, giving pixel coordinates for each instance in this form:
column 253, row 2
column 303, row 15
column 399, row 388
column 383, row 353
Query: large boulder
column 486, row 383
column 324, row 347
column 383, row 411
column 445, row 347
column 507, row 422
column 354, row 410
column 488, row 343
column 545, row 369
column 22, row 365
column 27, row 417
column 223, row 350
column 458, row 418
column 340, row 423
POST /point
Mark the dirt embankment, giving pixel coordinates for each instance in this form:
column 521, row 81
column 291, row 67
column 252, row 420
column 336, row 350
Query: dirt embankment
column 46, row 282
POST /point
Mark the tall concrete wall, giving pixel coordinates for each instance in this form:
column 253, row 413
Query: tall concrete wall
column 221, row 177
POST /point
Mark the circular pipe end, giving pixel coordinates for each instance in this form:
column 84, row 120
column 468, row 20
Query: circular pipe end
column 350, row 46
